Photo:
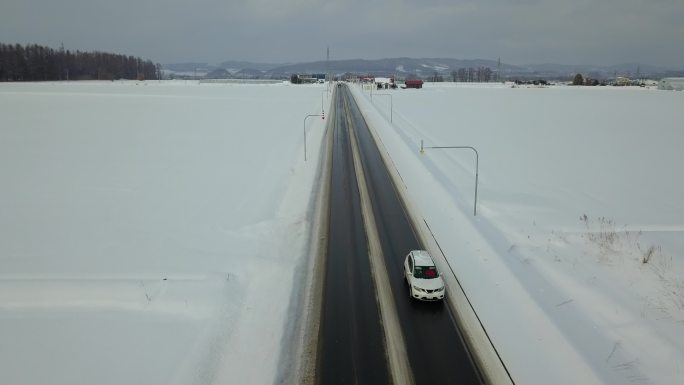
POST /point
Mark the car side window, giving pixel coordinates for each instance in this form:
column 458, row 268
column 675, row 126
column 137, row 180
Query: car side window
column 410, row 264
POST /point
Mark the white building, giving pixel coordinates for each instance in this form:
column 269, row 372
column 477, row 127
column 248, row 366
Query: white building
column 676, row 84
column 622, row 81
column 383, row 82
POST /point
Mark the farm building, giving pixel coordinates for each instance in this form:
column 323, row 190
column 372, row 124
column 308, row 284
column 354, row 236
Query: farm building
column 676, row 84
column 622, row 81
column 304, row 78
column 413, row 83
column 384, row 83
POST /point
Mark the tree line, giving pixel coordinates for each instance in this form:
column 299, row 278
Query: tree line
column 480, row 75
column 39, row 63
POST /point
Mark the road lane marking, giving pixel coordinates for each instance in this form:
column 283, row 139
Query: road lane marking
column 399, row 367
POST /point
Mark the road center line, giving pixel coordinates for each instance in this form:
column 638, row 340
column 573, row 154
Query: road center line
column 394, row 340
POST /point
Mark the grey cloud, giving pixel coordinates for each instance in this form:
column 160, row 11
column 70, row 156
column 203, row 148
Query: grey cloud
column 528, row 31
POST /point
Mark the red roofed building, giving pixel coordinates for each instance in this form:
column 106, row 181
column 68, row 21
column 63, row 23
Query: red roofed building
column 414, row 83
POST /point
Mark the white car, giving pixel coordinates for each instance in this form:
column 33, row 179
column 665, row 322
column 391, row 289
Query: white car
column 425, row 282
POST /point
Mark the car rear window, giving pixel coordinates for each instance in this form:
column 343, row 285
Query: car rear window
column 425, row 272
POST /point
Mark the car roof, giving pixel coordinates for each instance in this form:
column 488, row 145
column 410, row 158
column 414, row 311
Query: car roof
column 422, row 258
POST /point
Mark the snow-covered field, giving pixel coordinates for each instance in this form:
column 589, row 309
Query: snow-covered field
column 575, row 261
column 151, row 233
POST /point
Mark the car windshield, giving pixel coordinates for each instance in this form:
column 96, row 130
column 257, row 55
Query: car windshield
column 425, row 272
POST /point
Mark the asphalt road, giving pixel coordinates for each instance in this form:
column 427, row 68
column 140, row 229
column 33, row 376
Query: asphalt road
column 351, row 349
column 436, row 351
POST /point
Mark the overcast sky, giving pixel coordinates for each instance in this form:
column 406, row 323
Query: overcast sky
column 276, row 31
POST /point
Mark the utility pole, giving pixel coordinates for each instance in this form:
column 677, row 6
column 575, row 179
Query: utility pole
column 498, row 69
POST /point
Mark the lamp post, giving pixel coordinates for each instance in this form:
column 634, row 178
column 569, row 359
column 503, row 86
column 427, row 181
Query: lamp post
column 391, row 108
column 305, row 118
column 325, row 92
column 477, row 167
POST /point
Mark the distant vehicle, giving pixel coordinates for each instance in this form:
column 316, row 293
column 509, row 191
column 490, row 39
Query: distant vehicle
column 321, row 81
column 424, row 280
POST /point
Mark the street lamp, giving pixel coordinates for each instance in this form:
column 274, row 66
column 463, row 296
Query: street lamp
column 477, row 167
column 323, row 93
column 308, row 116
column 391, row 108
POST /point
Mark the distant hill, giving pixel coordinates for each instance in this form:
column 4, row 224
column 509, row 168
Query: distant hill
column 239, row 65
column 250, row 73
column 420, row 68
column 383, row 67
column 551, row 70
column 190, row 67
column 219, row 73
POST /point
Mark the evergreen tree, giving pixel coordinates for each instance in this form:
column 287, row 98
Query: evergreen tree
column 578, row 80
column 38, row 63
